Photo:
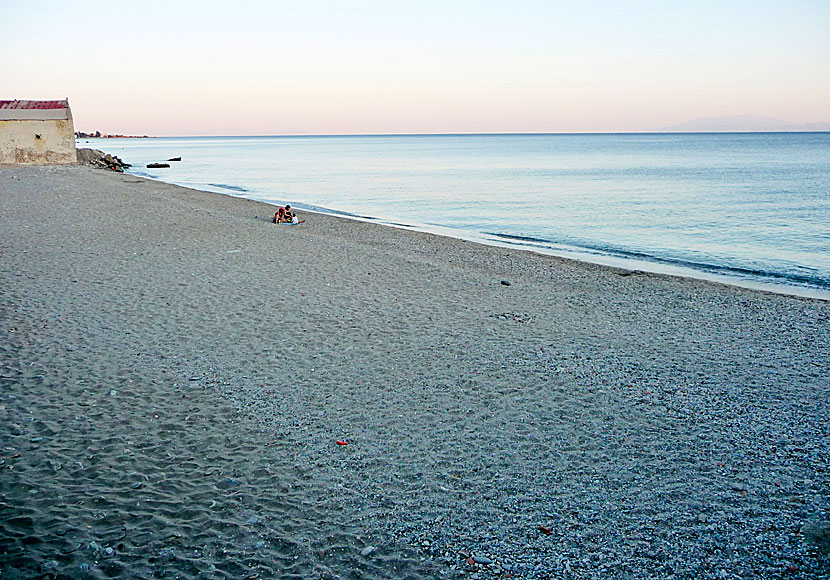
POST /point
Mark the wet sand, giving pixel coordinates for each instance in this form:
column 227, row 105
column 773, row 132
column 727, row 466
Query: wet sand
column 176, row 372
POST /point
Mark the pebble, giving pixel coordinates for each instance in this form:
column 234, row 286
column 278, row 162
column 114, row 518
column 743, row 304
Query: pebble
column 367, row 550
column 482, row 560
column 818, row 535
column 505, row 283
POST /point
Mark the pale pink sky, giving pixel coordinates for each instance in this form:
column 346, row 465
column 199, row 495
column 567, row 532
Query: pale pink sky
column 428, row 67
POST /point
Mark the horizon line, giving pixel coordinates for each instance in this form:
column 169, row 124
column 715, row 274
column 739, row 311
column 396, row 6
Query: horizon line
column 473, row 134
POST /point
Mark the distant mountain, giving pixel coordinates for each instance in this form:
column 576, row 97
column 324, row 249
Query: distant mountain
column 741, row 123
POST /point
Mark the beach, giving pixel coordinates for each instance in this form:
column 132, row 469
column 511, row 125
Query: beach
column 189, row 390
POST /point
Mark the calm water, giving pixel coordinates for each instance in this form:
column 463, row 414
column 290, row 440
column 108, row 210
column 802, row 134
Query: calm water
column 751, row 207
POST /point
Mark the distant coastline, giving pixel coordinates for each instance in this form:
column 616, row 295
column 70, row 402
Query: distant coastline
column 99, row 135
column 663, row 131
column 745, row 124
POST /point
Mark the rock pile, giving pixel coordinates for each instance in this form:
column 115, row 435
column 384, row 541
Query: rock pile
column 97, row 158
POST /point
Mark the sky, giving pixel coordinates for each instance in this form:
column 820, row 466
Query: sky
column 465, row 66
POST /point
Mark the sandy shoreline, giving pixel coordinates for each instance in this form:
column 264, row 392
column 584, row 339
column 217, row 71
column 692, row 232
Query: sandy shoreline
column 176, row 373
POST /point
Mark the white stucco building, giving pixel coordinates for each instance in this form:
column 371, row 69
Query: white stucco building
column 36, row 132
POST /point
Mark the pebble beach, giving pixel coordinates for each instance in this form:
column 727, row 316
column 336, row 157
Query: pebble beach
column 188, row 390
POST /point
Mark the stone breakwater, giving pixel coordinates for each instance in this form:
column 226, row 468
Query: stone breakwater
column 97, row 158
column 173, row 397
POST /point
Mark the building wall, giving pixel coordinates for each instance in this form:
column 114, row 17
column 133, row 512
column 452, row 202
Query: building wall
column 37, row 142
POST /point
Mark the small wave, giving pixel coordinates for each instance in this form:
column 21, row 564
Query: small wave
column 785, row 277
column 815, row 281
column 320, row 209
column 520, row 238
column 733, row 271
column 224, row 186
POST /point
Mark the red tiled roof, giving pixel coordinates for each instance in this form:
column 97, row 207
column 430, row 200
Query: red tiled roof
column 34, row 104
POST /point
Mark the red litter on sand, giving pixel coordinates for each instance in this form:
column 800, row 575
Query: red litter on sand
column 342, row 442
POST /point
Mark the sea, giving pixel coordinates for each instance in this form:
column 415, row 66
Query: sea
column 751, row 209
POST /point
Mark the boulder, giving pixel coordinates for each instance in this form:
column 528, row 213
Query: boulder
column 157, row 165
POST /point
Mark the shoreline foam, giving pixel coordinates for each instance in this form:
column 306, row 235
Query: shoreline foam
column 176, row 374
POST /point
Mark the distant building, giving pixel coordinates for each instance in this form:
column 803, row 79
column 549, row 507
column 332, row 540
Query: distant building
column 36, row 132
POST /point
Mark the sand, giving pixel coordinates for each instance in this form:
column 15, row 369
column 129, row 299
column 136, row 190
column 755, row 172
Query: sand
column 176, row 372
